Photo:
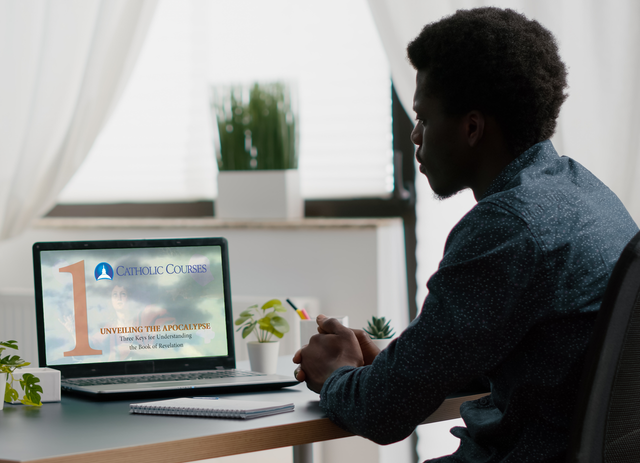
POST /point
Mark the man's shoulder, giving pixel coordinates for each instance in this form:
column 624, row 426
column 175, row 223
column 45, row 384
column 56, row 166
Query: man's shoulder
column 555, row 186
column 561, row 202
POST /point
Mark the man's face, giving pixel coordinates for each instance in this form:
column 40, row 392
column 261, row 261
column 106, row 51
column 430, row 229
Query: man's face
column 442, row 151
column 119, row 298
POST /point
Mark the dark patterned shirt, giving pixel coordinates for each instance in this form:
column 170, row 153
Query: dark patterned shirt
column 514, row 300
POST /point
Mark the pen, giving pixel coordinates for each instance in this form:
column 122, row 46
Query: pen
column 300, row 313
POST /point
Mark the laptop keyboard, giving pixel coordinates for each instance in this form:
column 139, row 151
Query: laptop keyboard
column 188, row 376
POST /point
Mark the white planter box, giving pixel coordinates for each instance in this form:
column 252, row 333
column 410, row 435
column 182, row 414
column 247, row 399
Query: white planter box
column 259, row 194
column 3, row 382
column 49, row 381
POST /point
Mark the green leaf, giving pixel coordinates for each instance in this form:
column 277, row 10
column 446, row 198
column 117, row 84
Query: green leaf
column 10, row 394
column 9, row 344
column 241, row 320
column 31, row 389
column 265, row 323
column 247, row 313
column 248, row 329
column 270, row 329
column 280, row 324
column 379, row 328
column 279, row 308
column 14, row 362
column 271, row 303
column 26, row 401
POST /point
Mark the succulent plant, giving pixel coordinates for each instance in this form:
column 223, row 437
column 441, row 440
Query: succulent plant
column 378, row 328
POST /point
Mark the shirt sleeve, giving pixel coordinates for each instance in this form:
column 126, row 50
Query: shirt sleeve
column 478, row 308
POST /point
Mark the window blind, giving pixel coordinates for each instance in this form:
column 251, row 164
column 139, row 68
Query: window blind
column 157, row 145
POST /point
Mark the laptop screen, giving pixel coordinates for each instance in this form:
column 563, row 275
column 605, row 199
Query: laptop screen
column 132, row 301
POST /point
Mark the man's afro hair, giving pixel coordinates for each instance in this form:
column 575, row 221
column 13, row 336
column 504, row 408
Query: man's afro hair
column 499, row 62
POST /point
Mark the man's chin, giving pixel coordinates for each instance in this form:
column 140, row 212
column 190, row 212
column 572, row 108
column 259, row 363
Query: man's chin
column 440, row 196
column 443, row 193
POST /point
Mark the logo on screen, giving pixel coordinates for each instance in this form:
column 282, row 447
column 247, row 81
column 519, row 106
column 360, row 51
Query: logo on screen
column 103, row 271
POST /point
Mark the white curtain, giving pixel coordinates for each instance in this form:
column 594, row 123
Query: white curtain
column 598, row 125
column 64, row 64
column 600, row 44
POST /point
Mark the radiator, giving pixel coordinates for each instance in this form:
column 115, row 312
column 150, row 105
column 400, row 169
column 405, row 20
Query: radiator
column 18, row 321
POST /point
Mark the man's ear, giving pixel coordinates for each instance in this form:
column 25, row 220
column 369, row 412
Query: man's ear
column 474, row 123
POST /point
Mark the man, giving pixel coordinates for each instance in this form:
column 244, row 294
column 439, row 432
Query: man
column 517, row 292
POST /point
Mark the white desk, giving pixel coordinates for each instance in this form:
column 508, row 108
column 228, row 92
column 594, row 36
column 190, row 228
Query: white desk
column 79, row 430
column 76, row 430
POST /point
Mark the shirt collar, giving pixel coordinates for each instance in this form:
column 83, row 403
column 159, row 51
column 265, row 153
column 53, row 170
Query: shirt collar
column 538, row 152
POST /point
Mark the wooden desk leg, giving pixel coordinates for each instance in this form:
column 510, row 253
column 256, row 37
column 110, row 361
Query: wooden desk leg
column 303, row 453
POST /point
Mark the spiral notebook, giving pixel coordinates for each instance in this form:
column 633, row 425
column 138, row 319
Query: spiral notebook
column 212, row 408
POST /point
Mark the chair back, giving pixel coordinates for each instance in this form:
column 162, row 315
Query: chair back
column 606, row 426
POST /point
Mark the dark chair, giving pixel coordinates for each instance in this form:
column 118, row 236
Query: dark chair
column 606, row 426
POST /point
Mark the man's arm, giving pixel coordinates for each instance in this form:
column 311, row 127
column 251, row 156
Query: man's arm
column 479, row 307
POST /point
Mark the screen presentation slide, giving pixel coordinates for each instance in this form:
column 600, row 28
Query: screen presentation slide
column 133, row 304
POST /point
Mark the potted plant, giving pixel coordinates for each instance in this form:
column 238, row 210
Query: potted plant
column 380, row 331
column 265, row 323
column 256, row 152
column 28, row 382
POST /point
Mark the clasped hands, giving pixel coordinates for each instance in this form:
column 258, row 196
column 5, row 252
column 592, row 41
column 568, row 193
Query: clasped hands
column 333, row 347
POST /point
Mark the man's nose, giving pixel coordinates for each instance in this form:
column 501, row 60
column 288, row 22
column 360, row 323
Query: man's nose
column 416, row 134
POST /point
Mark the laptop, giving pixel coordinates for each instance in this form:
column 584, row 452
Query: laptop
column 140, row 317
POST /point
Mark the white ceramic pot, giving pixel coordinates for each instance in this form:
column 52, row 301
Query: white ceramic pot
column 3, row 388
column 382, row 343
column 259, row 194
column 263, row 356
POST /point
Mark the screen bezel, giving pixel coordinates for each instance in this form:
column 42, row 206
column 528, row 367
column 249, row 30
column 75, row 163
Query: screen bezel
column 139, row 366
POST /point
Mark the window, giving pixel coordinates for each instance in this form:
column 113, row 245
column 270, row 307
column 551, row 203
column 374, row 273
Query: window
column 157, row 146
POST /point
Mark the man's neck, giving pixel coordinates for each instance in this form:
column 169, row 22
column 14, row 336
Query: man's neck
column 494, row 156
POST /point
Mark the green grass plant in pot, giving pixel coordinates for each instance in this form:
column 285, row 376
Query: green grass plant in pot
column 256, row 151
column 256, row 127
column 265, row 323
column 380, row 331
column 28, row 382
